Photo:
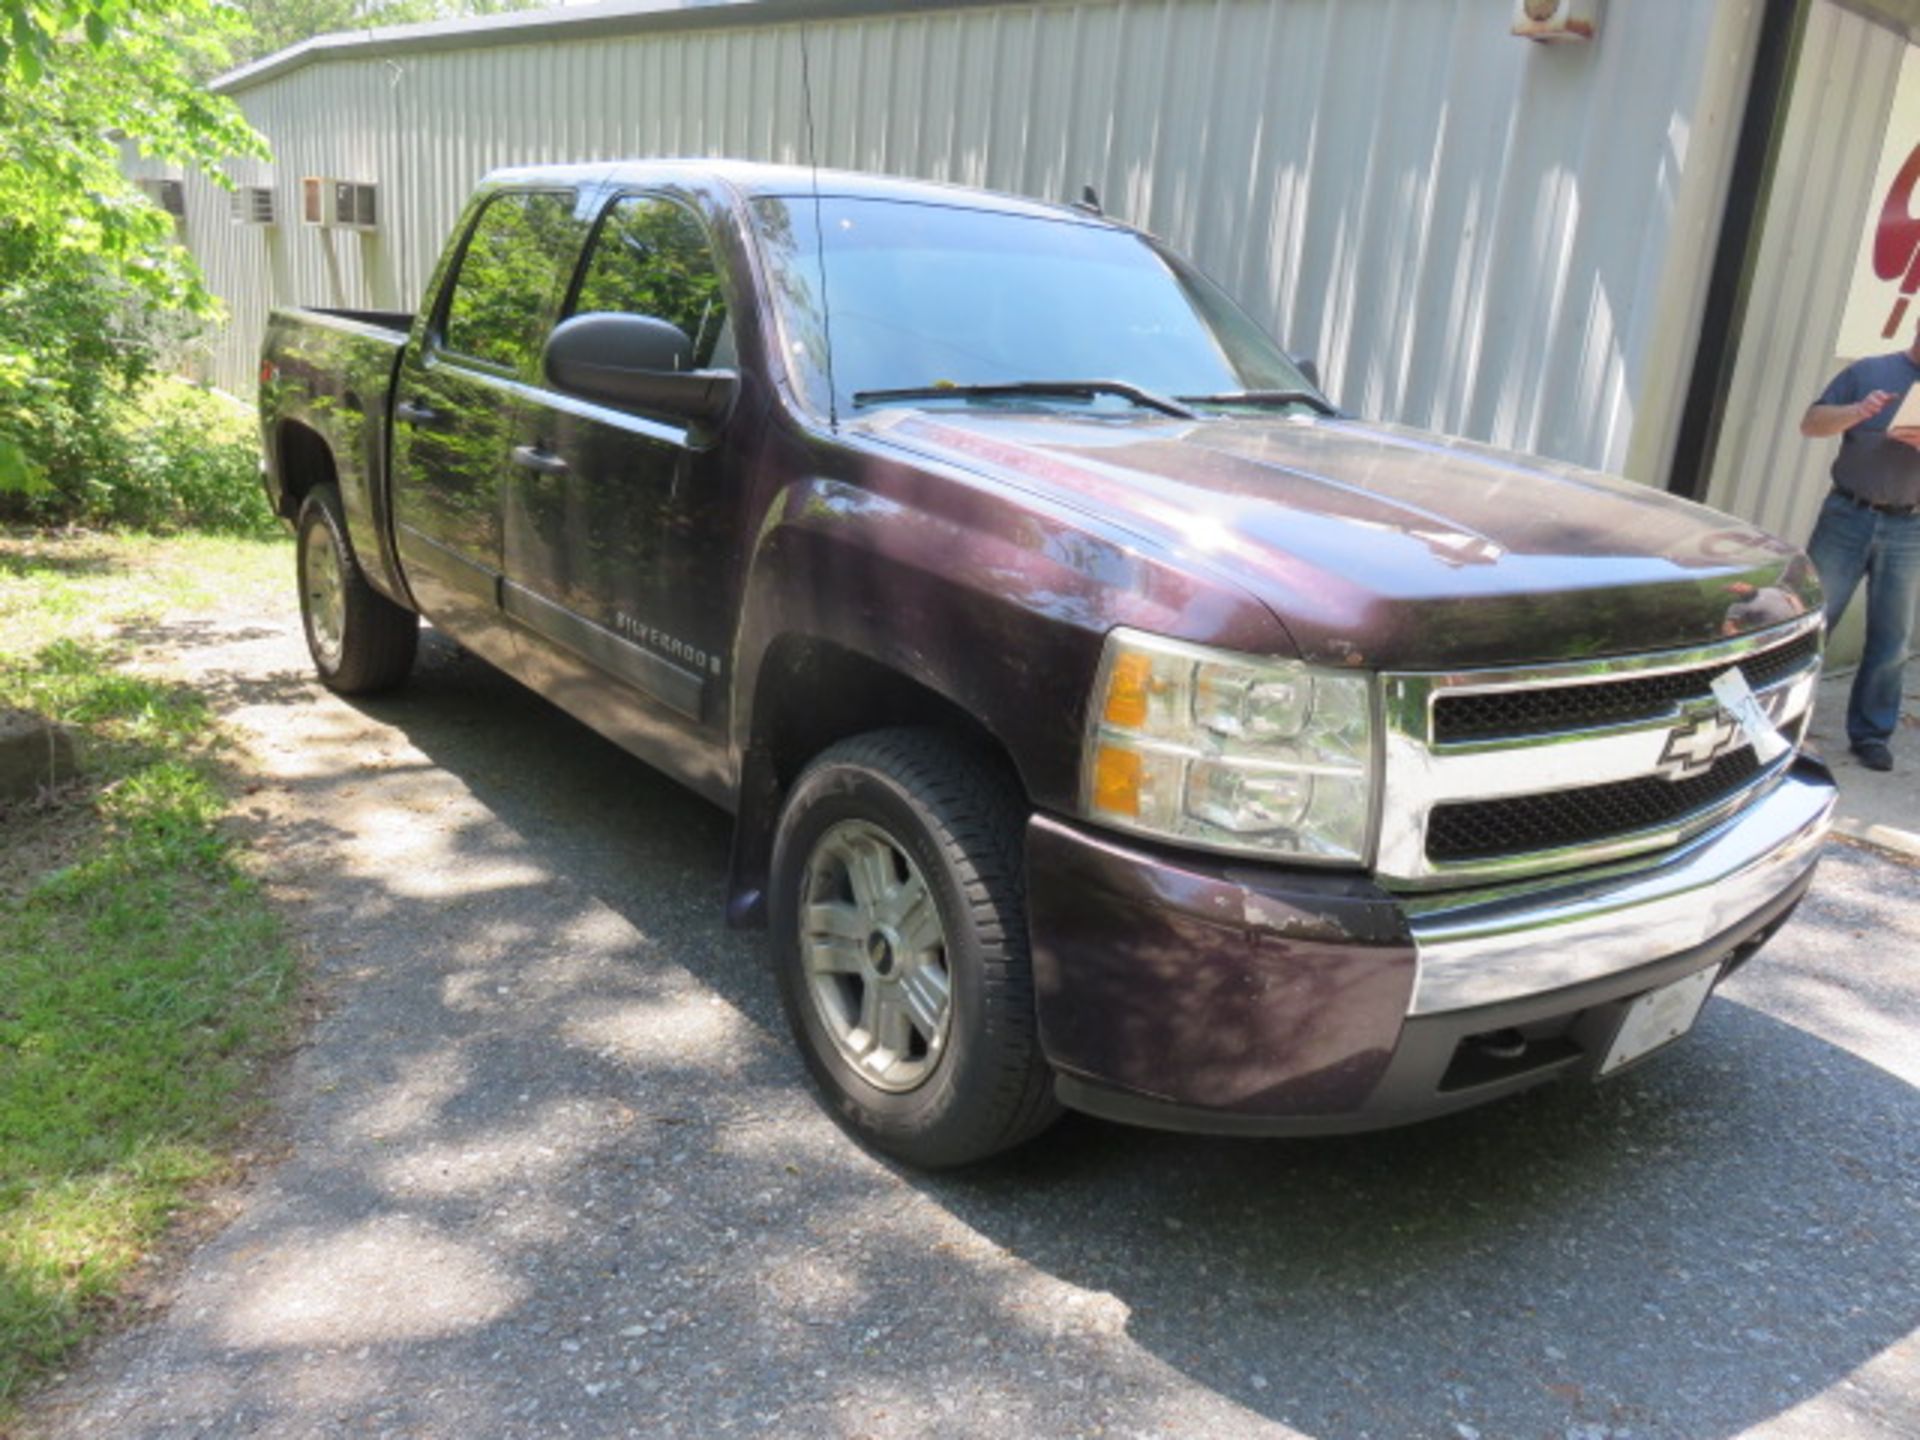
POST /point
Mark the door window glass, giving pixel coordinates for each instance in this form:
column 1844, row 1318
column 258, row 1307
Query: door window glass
column 651, row 257
column 506, row 277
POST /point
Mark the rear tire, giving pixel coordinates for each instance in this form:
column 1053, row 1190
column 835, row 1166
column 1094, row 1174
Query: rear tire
column 898, row 913
column 360, row 641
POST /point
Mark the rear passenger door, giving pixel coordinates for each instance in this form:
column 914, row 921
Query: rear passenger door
column 618, row 524
column 456, row 402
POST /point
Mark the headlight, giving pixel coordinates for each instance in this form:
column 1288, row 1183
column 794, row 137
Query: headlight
column 1229, row 752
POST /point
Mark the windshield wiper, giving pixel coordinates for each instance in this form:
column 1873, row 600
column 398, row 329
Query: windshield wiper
column 1265, row 397
column 1085, row 388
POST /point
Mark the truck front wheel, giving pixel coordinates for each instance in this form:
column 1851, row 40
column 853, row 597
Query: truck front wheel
column 360, row 641
column 898, row 911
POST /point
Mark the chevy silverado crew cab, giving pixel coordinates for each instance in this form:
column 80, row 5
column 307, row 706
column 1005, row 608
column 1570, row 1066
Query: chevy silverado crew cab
column 1107, row 720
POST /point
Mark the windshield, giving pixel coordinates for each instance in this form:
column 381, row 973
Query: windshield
column 934, row 296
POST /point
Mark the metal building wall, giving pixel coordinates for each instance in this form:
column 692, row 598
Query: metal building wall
column 1471, row 232
column 1843, row 92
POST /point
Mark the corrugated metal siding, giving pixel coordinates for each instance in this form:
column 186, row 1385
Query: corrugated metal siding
column 1471, row 232
column 1843, row 92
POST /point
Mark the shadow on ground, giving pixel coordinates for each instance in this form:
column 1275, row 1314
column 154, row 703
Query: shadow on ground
column 558, row 1160
column 52, row 560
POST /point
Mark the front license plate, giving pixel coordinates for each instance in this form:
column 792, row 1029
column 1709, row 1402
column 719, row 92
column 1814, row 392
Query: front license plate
column 1659, row 1016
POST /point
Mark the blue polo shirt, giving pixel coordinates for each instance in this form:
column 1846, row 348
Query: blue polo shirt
column 1869, row 464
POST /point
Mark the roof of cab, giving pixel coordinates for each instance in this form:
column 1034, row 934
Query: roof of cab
column 752, row 179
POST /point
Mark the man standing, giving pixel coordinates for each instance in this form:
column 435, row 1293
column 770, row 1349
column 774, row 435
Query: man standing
column 1869, row 528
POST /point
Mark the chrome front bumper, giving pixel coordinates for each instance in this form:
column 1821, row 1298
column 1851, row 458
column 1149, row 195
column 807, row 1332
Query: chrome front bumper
column 1528, row 939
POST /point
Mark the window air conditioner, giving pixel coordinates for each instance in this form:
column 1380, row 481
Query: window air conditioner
column 252, row 205
column 169, row 195
column 330, row 203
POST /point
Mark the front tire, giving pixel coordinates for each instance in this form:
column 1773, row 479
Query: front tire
column 898, row 910
column 360, row 641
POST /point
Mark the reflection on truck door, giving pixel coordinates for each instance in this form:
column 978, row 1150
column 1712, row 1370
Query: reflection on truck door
column 456, row 400
column 615, row 523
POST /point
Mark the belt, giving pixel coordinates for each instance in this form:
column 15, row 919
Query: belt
column 1878, row 507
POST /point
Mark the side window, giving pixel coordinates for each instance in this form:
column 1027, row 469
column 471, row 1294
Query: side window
column 500, row 294
column 651, row 257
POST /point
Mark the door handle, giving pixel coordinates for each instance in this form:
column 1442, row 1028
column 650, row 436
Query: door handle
column 410, row 413
column 541, row 462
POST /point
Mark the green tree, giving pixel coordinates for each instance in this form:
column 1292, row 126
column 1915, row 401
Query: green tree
column 80, row 245
column 34, row 29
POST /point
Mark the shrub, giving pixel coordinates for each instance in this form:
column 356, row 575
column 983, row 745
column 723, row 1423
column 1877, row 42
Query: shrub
column 67, row 352
column 160, row 456
column 109, row 438
column 186, row 457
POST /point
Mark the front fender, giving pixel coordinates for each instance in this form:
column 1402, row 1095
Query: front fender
column 996, row 605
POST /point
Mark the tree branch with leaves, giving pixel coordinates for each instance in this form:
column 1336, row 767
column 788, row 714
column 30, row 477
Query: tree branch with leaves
column 77, row 83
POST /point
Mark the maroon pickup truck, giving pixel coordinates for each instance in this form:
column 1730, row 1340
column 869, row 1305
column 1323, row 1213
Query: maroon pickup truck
column 1108, row 720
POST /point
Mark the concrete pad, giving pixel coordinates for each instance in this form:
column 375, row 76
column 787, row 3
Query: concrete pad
column 1880, row 809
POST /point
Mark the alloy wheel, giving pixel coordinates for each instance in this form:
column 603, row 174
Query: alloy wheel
column 325, row 593
column 875, row 953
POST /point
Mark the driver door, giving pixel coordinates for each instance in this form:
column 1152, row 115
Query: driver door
column 617, row 532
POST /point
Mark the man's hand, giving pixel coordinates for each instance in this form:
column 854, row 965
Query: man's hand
column 1823, row 420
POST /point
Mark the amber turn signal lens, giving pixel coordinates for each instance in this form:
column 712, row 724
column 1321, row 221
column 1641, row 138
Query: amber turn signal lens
column 1127, row 686
column 1116, row 781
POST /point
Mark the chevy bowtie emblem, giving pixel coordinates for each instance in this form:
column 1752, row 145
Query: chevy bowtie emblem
column 1692, row 749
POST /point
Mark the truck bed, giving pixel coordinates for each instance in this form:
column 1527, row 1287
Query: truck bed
column 398, row 321
column 331, row 373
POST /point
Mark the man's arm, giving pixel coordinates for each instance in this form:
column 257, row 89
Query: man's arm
column 1823, row 420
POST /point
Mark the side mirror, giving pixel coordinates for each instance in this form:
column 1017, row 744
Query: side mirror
column 1309, row 368
column 636, row 362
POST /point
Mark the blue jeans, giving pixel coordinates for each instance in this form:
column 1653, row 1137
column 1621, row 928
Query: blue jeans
column 1850, row 543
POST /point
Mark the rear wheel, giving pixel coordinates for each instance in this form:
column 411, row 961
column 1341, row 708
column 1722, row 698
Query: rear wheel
column 361, row 642
column 899, row 936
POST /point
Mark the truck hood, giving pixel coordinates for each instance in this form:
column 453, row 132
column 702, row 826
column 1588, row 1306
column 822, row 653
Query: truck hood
column 1391, row 548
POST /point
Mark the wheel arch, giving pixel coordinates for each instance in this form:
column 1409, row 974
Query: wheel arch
column 302, row 460
column 809, row 694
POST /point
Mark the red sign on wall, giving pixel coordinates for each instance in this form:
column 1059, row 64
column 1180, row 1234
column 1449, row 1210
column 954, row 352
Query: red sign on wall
column 1896, row 241
column 1880, row 311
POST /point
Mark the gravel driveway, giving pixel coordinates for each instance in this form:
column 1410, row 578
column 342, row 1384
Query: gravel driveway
column 551, row 1168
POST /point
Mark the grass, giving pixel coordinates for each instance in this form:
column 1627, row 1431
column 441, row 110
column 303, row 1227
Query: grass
column 89, row 584
column 143, row 978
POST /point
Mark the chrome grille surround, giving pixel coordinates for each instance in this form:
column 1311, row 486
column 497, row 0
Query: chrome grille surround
column 1420, row 773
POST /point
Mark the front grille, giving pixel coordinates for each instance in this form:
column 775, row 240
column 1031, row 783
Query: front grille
column 1545, row 709
column 1483, row 829
column 1477, row 765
